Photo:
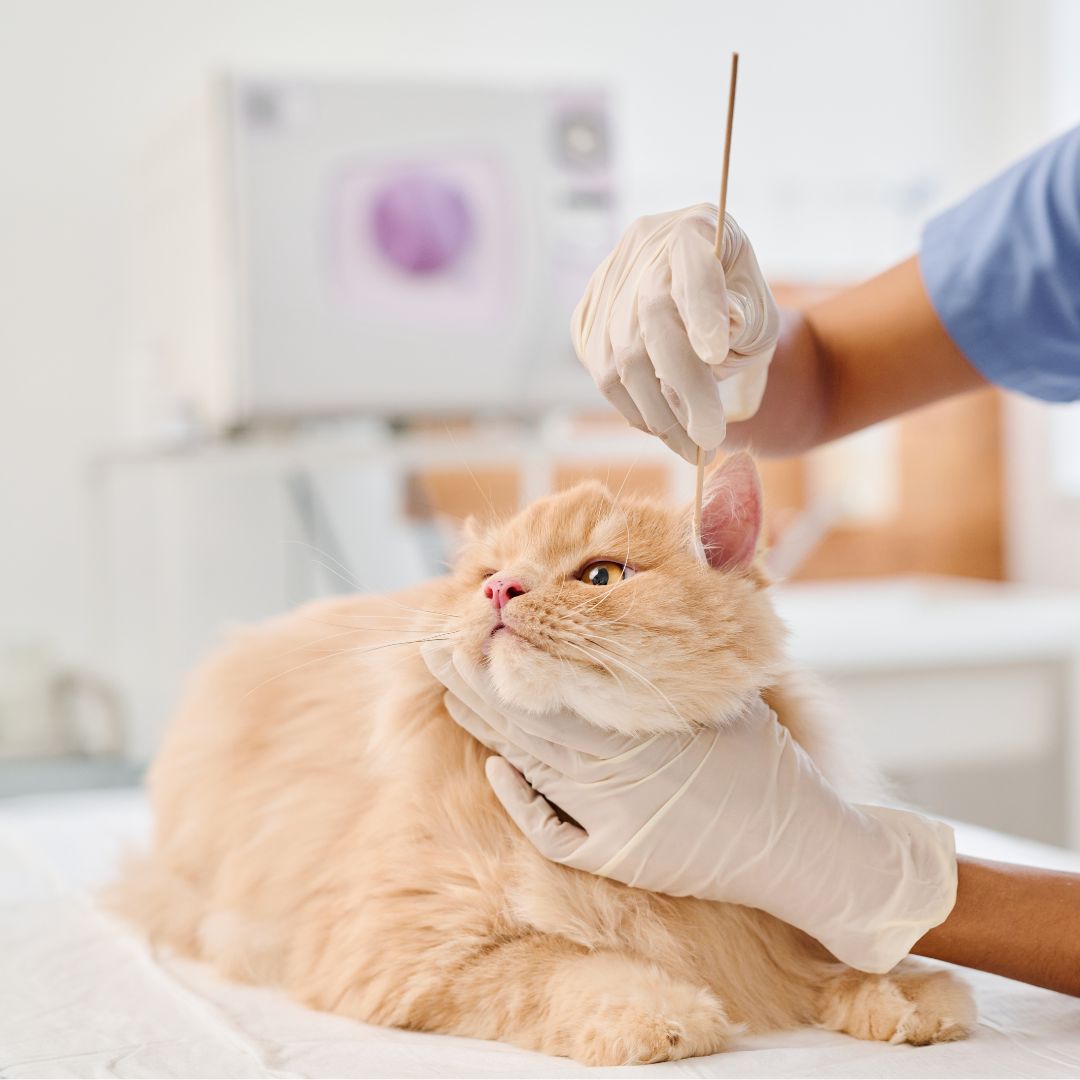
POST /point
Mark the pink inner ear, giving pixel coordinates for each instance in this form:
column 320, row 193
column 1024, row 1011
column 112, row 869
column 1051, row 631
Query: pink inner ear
column 731, row 516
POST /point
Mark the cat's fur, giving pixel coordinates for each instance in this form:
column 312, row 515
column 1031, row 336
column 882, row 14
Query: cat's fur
column 323, row 825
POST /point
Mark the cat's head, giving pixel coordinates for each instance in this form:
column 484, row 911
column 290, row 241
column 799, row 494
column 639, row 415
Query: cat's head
column 603, row 605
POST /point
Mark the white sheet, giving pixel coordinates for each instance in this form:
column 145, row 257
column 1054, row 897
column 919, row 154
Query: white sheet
column 81, row 996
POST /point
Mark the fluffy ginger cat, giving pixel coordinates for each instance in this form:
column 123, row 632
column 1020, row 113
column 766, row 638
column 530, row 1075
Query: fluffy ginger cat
column 323, row 825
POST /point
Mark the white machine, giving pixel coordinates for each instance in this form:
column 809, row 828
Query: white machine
column 311, row 249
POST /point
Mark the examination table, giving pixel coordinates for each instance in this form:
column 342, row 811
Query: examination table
column 83, row 996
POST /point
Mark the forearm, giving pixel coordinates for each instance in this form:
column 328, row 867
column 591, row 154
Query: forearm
column 1016, row 921
column 864, row 355
column 792, row 412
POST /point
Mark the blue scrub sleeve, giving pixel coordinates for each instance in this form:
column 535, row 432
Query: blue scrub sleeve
column 1002, row 270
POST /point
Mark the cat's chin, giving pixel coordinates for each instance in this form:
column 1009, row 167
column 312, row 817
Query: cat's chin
column 523, row 675
column 527, row 678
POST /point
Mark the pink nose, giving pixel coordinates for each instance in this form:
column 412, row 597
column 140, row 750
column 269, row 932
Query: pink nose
column 501, row 590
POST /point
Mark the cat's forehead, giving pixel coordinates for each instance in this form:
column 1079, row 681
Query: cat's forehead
column 585, row 522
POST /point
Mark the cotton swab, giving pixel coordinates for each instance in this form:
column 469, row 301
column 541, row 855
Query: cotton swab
column 718, row 248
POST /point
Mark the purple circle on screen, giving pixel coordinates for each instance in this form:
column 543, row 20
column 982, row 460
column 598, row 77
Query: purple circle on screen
column 421, row 223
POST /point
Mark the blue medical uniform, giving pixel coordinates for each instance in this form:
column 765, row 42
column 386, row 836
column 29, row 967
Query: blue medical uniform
column 1002, row 270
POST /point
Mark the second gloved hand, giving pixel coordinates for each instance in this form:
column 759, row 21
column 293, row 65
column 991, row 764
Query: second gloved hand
column 676, row 339
column 739, row 814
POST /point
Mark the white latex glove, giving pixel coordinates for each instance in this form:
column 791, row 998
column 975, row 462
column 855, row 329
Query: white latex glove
column 676, row 339
column 739, row 815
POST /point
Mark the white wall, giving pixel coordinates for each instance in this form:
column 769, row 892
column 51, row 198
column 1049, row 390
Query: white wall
column 842, row 104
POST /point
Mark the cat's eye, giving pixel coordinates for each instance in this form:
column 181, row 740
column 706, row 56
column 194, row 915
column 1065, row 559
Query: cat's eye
column 604, row 573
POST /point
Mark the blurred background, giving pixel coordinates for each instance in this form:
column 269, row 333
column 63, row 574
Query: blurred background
column 285, row 292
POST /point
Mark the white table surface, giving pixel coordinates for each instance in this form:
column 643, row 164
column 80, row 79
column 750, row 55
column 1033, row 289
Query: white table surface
column 82, row 996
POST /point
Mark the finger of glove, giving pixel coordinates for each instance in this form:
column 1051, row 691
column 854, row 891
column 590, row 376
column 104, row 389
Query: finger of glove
column 593, row 348
column 438, row 655
column 619, row 396
column 544, row 763
column 472, row 722
column 688, row 383
column 548, row 764
column 472, row 687
column 637, row 375
column 557, row 840
column 633, row 365
column 583, row 320
column 699, row 290
column 472, row 703
column 755, row 318
column 458, row 676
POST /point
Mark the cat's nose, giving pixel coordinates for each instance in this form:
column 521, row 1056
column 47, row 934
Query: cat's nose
column 501, row 590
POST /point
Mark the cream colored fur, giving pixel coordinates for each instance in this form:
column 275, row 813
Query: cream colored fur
column 322, row 824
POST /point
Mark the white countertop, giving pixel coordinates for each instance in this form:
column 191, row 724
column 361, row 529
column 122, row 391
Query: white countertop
column 896, row 623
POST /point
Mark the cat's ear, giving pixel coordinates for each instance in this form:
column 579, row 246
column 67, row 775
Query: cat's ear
column 731, row 514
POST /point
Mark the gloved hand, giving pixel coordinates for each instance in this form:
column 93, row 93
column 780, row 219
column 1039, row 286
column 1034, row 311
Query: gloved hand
column 739, row 815
column 675, row 338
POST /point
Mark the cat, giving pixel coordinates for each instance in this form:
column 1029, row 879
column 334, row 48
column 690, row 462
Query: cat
column 324, row 826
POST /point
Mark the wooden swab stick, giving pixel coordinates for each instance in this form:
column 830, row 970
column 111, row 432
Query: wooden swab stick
column 718, row 248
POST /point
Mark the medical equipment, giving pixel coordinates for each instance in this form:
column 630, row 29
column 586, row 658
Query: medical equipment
column 315, row 248
column 718, row 251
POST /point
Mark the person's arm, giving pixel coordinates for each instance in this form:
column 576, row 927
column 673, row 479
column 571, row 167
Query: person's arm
column 994, row 296
column 864, row 355
column 1016, row 921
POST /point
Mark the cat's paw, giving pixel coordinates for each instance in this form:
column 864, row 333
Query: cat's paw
column 908, row 1005
column 943, row 1008
column 640, row 1028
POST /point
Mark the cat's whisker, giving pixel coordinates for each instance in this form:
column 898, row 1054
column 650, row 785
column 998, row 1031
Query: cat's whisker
column 339, row 569
column 606, row 594
column 350, row 579
column 413, row 641
column 343, row 652
column 612, row 644
column 421, row 611
column 331, row 637
column 472, row 476
column 590, row 605
column 347, row 632
column 346, row 578
column 626, row 476
column 384, row 615
column 648, row 682
column 387, row 615
column 596, row 660
column 401, row 621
